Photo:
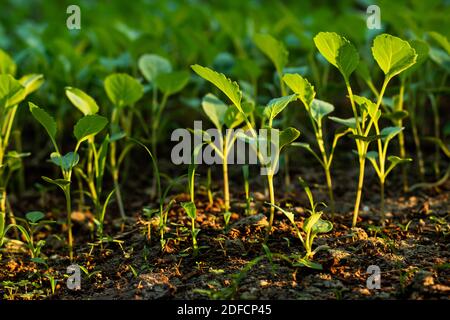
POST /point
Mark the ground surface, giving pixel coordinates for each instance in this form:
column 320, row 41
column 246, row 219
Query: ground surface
column 412, row 252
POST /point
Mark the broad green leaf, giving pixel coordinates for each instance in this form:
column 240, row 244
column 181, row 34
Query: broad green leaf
column 11, row 91
column 82, row 101
column 287, row 136
column 229, row 88
column 170, row 83
column 152, row 65
column 123, row 90
column 338, row 51
column 233, row 117
column 422, row 50
column 7, row 64
column 89, row 126
column 301, row 87
column 322, row 226
column 66, row 162
column 441, row 40
column 350, row 122
column 320, row 109
column 273, row 49
column 275, row 106
column 393, row 54
column 389, row 133
column 190, row 209
column 34, row 216
column 44, row 119
column 215, row 109
column 31, row 82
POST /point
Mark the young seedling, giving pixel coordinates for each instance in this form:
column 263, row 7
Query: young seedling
column 123, row 91
column 393, row 55
column 158, row 73
column 191, row 211
column 85, row 128
column 275, row 106
column 32, row 223
column 248, row 198
column 222, row 116
column 12, row 93
column 317, row 110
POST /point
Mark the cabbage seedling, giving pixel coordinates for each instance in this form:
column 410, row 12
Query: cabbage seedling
column 86, row 127
column 317, row 110
column 123, row 91
column 393, row 55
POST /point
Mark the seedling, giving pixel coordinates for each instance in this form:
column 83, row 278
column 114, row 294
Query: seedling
column 191, row 211
column 394, row 56
column 123, row 91
column 32, row 223
column 317, row 110
column 312, row 227
column 275, row 106
column 86, row 127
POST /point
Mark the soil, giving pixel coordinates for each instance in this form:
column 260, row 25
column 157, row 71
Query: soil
column 412, row 250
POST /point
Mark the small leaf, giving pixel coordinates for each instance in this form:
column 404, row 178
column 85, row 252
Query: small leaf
column 302, row 262
column 190, row 209
column 152, row 65
column 59, row 182
column 372, row 155
column 322, row 226
column 123, row 90
column 368, row 106
column 44, row 119
column 11, row 91
column 350, row 122
column 229, row 88
column 215, row 109
column 171, row 83
column 422, row 50
column 31, row 82
column 89, row 126
column 34, row 216
column 393, row 54
column 82, row 101
column 66, row 162
column 275, row 106
column 273, row 49
column 320, row 109
column 397, row 160
column 301, row 87
column 389, row 133
column 287, row 136
column 338, row 51
column 310, row 222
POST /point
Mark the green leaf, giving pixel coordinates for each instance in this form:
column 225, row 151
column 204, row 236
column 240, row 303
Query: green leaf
column 350, row 122
column 11, row 91
column 229, row 88
column 302, row 262
column 82, row 101
column 123, row 90
column 422, row 50
column 273, row 49
column 372, row 155
column 190, row 209
column 393, row 54
column 152, row 65
column 171, row 83
column 66, row 162
column 31, row 82
column 310, row 222
column 338, row 51
column 389, row 133
column 45, row 120
column 287, row 136
column 215, row 109
column 233, row 117
column 320, row 109
column 368, row 106
column 441, row 58
column 62, row 183
column 89, row 126
column 301, row 87
column 7, row 64
column 396, row 115
column 275, row 106
column 34, row 216
column 322, row 226
column 397, row 160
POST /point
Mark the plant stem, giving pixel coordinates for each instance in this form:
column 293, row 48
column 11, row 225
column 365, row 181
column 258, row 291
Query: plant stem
column 362, row 162
column 272, row 201
column 69, row 220
column 383, row 213
column 401, row 137
column 226, row 191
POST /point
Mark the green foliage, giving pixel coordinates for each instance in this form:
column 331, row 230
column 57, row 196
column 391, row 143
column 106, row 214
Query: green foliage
column 123, row 90
column 81, row 100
